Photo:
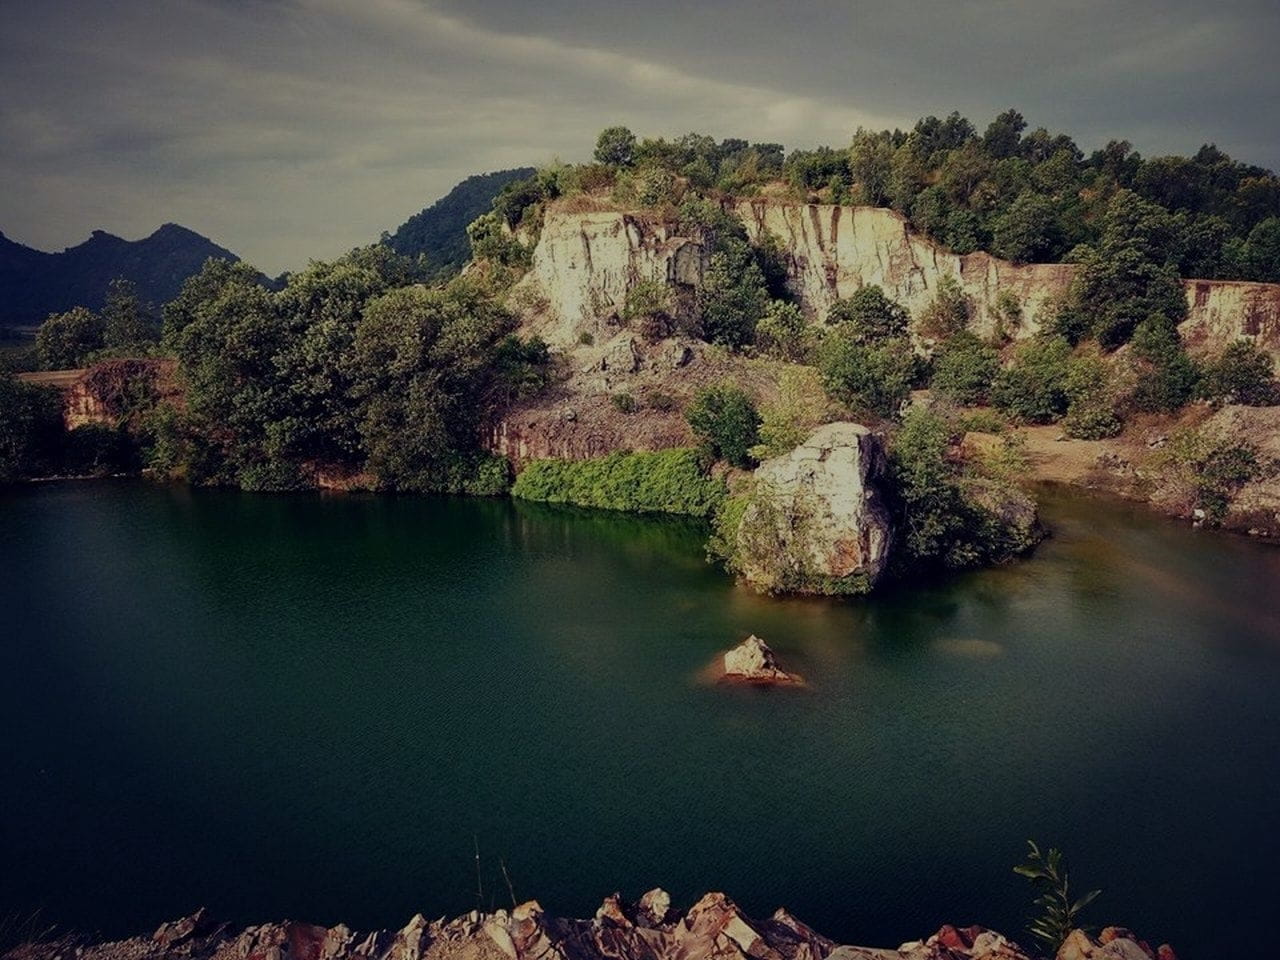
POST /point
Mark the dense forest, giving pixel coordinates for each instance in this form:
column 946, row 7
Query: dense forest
column 375, row 370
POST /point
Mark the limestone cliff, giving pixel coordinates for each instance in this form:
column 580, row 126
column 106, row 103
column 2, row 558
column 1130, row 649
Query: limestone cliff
column 584, row 264
column 712, row 929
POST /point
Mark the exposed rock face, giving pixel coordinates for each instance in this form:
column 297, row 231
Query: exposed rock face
column 712, row 929
column 835, row 250
column 754, row 662
column 104, row 393
column 584, row 264
column 815, row 521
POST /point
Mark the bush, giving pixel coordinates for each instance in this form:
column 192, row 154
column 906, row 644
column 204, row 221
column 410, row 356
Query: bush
column 1092, row 400
column 872, row 377
column 1242, row 373
column 948, row 313
column 65, row 340
column 648, row 307
column 869, row 316
column 1214, row 467
column 947, row 513
column 624, row 402
column 786, row 424
column 1165, row 377
column 725, row 420
column 616, row 147
column 783, row 332
column 669, row 481
column 964, row 370
column 1034, row 389
column 30, row 429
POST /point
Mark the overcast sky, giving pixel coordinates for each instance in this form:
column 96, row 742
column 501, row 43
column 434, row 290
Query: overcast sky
column 292, row 129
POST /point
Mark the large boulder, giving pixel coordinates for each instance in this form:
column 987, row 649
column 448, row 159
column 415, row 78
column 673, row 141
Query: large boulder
column 813, row 520
column 754, row 662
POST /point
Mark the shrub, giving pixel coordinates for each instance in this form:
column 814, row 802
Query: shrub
column 798, row 412
column 783, row 332
column 964, row 369
column 872, row 377
column 648, row 306
column 669, row 481
column 1242, row 373
column 1092, row 398
column 1059, row 910
column 624, row 402
column 30, row 428
column 725, row 420
column 65, row 340
column 869, row 316
column 1215, row 468
column 656, row 399
column 948, row 514
column 1165, row 377
column 1034, row 389
column 948, row 313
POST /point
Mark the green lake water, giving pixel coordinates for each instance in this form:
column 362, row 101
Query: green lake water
column 314, row 707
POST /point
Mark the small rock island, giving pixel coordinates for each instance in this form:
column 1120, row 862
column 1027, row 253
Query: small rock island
column 753, row 662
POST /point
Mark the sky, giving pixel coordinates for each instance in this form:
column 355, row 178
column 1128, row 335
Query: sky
column 287, row 130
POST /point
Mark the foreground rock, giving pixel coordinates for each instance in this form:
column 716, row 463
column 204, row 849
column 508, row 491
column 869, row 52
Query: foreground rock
column 753, row 662
column 712, row 929
column 813, row 520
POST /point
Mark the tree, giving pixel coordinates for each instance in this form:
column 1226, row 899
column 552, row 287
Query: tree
column 964, row 369
column 783, row 332
column 1166, row 377
column 871, row 166
column 616, row 146
column 868, row 315
column 948, row 313
column 126, row 322
column 30, row 428
column 1004, row 134
column 874, row 377
column 1034, row 388
column 1242, row 373
column 726, row 422
column 1091, row 395
column 65, row 340
column 1028, row 231
column 1259, row 257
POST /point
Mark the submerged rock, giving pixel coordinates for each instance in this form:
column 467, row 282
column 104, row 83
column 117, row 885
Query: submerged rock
column 752, row 661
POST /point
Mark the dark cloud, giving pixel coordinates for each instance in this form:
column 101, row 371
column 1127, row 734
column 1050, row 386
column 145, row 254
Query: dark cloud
column 295, row 128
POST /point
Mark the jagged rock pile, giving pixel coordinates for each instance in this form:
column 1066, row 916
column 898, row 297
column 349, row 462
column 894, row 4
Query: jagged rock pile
column 712, row 929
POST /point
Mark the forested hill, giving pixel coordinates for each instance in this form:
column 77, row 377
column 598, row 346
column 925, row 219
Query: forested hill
column 34, row 284
column 440, row 231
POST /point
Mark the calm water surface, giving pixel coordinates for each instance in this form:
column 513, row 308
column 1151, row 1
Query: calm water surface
column 308, row 707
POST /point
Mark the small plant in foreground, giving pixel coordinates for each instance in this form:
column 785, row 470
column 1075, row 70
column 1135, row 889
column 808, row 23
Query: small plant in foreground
column 1058, row 915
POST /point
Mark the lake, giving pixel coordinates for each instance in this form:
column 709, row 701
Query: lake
column 317, row 707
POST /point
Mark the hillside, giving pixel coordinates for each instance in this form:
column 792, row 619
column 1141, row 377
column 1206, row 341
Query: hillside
column 34, row 284
column 440, row 230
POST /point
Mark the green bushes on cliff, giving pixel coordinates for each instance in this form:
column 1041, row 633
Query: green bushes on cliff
column 30, row 429
column 668, row 481
column 726, row 422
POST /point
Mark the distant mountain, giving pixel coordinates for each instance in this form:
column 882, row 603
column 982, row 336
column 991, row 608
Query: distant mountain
column 440, row 231
column 34, row 284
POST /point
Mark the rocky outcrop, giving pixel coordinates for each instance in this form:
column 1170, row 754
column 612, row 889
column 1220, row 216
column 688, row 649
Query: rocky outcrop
column 754, row 662
column 813, row 520
column 110, row 392
column 584, row 264
column 712, row 929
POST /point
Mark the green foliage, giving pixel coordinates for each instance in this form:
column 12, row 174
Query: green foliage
column 1165, row 377
column 948, row 513
column 127, row 323
column 669, row 481
column 1028, row 231
column 868, row 316
column 1242, row 373
column 948, row 313
column 726, row 422
column 1257, row 257
column 1034, row 388
column 1214, row 467
column 30, row 429
column 1132, row 272
column 964, row 369
column 1092, row 398
column 734, row 295
column 624, row 402
column 873, row 377
column 491, row 240
column 784, row 425
column 784, row 333
column 65, row 340
column 1058, row 914
column 616, row 147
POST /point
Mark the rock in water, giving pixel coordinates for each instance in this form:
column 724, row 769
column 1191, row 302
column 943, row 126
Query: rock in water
column 753, row 662
column 813, row 520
